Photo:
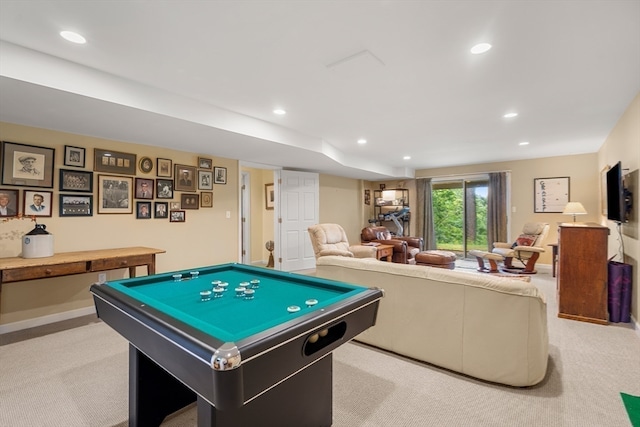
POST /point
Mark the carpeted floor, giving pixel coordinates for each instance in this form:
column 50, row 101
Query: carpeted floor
column 78, row 377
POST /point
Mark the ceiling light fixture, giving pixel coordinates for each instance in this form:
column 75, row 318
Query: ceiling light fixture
column 524, row 143
column 480, row 48
column 279, row 112
column 510, row 115
column 73, row 37
column 362, row 141
column 406, row 158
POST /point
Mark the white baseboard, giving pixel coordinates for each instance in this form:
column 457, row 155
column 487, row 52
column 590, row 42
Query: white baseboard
column 45, row 320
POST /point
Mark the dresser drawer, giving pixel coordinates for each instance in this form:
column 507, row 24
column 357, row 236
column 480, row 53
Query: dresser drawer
column 44, row 271
column 120, row 262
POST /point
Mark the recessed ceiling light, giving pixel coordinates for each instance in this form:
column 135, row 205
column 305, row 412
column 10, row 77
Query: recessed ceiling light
column 362, row 141
column 279, row 112
column 406, row 158
column 73, row 37
column 510, row 115
column 480, row 48
column 524, row 143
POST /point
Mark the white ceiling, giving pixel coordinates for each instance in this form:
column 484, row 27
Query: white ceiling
column 204, row 76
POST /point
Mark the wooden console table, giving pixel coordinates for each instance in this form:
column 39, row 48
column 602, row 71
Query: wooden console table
column 385, row 251
column 69, row 263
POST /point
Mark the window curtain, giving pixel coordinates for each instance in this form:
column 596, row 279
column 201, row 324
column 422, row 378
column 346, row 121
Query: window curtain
column 424, row 213
column 497, row 208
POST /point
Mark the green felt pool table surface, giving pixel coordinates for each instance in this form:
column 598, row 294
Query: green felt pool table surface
column 230, row 318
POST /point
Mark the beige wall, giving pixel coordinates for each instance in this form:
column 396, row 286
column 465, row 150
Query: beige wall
column 260, row 219
column 342, row 202
column 207, row 237
column 623, row 144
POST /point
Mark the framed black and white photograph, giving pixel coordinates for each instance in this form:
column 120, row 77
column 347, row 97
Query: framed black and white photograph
column 550, row 195
column 161, row 210
column 189, row 201
column 174, row 206
column 114, row 162
column 115, row 194
column 75, row 180
column 27, row 165
column 146, row 164
column 204, row 163
column 144, row 188
column 164, row 167
column 74, row 156
column 76, row 205
column 205, row 180
column 177, row 216
column 37, row 203
column 143, row 210
column 185, row 178
column 9, row 202
column 220, row 175
column 269, row 196
column 206, row 199
column 164, row 188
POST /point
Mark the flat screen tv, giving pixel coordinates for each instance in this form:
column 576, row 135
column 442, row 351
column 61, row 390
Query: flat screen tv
column 616, row 205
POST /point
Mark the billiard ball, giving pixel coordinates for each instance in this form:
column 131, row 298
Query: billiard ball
column 313, row 338
column 324, row 332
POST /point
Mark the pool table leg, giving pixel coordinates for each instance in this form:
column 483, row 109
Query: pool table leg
column 153, row 393
column 305, row 399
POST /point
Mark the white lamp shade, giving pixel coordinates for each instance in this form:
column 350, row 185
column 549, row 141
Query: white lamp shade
column 574, row 208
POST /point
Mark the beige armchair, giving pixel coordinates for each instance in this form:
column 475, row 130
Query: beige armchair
column 527, row 248
column 331, row 239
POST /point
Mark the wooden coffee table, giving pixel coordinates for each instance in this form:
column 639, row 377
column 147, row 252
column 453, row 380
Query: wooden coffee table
column 385, row 251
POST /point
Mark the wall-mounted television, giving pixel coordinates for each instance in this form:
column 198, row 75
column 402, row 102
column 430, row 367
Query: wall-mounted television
column 618, row 199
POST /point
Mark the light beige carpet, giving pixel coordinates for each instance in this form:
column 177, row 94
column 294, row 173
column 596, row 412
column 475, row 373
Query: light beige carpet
column 78, row 378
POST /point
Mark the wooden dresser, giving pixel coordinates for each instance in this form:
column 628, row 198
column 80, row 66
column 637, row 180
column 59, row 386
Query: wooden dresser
column 582, row 272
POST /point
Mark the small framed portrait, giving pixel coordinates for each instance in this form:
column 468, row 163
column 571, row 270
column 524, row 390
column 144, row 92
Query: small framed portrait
column 9, row 202
column 164, row 188
column 204, row 163
column 74, row 156
column 115, row 194
column 146, row 164
column 206, row 199
column 143, row 210
column 269, row 196
column 220, row 175
column 367, row 197
column 144, row 188
column 114, row 162
column 164, row 167
column 189, row 201
column 74, row 180
column 27, row 165
column 205, row 180
column 161, row 210
column 36, row 203
column 185, row 178
column 174, row 206
column 76, row 205
column 177, row 216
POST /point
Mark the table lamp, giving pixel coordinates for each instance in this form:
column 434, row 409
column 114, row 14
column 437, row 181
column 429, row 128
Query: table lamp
column 574, row 208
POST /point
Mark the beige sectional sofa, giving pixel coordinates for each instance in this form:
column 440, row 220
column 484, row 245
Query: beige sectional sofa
column 488, row 327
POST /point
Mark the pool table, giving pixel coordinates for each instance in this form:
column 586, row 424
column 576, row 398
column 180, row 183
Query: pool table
column 260, row 355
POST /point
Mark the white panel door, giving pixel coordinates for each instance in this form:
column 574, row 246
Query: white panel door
column 299, row 198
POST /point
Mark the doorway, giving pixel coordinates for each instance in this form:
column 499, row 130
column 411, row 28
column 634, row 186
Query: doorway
column 460, row 214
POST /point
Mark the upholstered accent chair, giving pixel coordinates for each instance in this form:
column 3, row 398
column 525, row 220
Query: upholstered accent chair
column 331, row 239
column 405, row 248
column 526, row 249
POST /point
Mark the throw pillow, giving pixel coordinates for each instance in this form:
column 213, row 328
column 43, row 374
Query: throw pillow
column 525, row 240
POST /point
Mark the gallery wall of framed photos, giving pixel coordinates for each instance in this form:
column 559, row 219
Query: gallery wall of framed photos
column 93, row 193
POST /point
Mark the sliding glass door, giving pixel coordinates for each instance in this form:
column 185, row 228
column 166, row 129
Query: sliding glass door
column 460, row 215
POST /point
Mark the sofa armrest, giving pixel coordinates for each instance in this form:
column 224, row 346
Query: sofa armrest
column 415, row 242
column 363, row 251
column 338, row 252
column 528, row 249
column 502, row 245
